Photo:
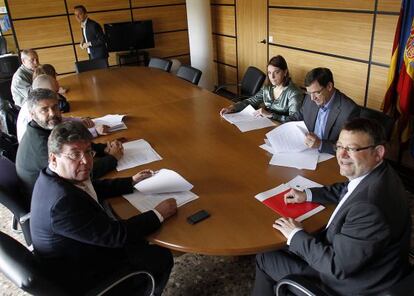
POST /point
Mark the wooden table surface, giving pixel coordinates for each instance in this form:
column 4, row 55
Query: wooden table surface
column 226, row 167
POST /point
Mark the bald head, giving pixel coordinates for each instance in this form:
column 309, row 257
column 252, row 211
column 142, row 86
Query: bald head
column 45, row 81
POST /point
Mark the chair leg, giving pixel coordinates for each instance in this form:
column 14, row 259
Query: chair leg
column 15, row 225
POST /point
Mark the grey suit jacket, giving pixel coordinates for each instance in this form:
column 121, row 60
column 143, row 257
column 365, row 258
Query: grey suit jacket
column 342, row 110
column 365, row 248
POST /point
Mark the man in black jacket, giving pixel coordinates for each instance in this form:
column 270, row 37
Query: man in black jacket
column 32, row 154
column 71, row 232
column 93, row 37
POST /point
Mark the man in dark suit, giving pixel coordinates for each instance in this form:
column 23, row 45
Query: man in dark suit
column 364, row 248
column 71, row 232
column 32, row 156
column 93, row 37
column 325, row 109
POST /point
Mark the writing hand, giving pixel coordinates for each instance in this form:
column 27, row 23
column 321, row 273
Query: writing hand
column 226, row 110
column 295, row 196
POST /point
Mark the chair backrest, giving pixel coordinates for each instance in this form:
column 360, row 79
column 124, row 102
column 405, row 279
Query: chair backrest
column 162, row 64
column 3, row 45
column 88, row 65
column 5, row 90
column 383, row 119
column 252, row 81
column 12, row 198
column 9, row 65
column 190, row 74
column 20, row 266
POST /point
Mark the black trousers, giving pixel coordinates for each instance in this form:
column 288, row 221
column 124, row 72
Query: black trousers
column 273, row 266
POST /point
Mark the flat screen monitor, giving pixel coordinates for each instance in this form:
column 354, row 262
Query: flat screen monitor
column 129, row 35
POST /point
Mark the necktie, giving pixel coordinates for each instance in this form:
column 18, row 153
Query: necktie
column 343, row 191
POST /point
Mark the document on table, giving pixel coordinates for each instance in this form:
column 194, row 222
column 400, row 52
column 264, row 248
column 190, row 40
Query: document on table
column 114, row 121
column 301, row 160
column 245, row 120
column 288, row 137
column 163, row 185
column 136, row 153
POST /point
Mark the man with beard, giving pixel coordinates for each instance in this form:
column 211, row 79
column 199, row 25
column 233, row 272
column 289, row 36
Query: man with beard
column 32, row 154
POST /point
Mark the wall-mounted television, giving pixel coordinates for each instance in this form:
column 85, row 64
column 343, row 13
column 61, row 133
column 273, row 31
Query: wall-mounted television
column 129, row 35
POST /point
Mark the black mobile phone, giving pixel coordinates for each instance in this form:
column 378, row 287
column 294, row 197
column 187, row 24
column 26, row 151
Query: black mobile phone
column 197, row 217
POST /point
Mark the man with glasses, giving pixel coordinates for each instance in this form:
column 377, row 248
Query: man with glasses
column 72, row 234
column 364, row 248
column 325, row 109
column 43, row 105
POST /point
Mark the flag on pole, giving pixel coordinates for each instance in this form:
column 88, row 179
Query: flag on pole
column 399, row 97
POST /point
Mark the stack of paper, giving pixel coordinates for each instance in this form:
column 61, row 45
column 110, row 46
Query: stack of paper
column 163, row 185
column 136, row 153
column 274, row 199
column 246, row 120
column 287, row 144
column 114, row 121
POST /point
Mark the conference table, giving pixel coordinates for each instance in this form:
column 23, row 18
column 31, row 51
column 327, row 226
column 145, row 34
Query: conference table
column 227, row 168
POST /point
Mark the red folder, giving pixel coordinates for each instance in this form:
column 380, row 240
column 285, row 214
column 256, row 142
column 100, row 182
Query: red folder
column 297, row 211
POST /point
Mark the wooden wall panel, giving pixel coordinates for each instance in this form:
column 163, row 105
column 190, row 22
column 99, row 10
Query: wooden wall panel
column 226, row 50
column 101, row 18
column 25, row 9
column 349, row 77
column 42, row 32
column 165, row 18
column 224, row 21
column 333, row 4
column 377, row 87
column 389, row 5
column 384, row 38
column 327, row 34
column 98, row 5
column 185, row 59
column 62, row 58
column 170, row 44
column 227, row 74
column 11, row 44
column 144, row 3
column 231, row 2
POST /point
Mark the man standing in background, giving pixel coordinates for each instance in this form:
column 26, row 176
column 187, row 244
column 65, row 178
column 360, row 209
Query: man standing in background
column 93, row 37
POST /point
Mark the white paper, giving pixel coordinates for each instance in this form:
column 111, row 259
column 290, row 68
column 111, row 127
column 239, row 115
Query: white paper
column 272, row 192
column 163, row 181
column 137, row 153
column 114, row 121
column 266, row 147
column 257, row 123
column 246, row 114
column 147, row 202
column 288, row 137
column 301, row 183
column 300, row 160
column 324, row 156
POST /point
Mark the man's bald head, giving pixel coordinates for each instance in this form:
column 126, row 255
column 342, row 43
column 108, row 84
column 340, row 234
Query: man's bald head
column 45, row 81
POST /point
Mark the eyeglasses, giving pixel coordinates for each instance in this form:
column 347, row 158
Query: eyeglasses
column 317, row 93
column 350, row 149
column 77, row 155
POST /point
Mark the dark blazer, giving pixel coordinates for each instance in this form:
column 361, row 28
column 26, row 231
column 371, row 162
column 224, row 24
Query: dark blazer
column 365, row 248
column 32, row 156
column 72, row 233
column 342, row 110
column 95, row 35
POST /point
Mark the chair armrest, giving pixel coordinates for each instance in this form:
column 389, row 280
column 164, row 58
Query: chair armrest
column 299, row 284
column 24, row 218
column 219, row 87
column 118, row 279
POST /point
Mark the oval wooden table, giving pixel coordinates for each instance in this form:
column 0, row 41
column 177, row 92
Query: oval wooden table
column 227, row 167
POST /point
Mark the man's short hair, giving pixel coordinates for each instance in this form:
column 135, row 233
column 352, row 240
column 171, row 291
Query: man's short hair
column 80, row 7
column 25, row 53
column 47, row 69
column 368, row 126
column 39, row 94
column 322, row 75
column 66, row 133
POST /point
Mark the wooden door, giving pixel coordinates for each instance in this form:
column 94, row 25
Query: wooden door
column 251, row 20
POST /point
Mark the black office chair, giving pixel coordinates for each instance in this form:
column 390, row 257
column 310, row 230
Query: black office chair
column 250, row 84
column 27, row 272
column 88, row 65
column 5, row 90
column 190, row 74
column 8, row 117
column 161, row 64
column 12, row 198
column 296, row 285
column 8, row 65
column 383, row 119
